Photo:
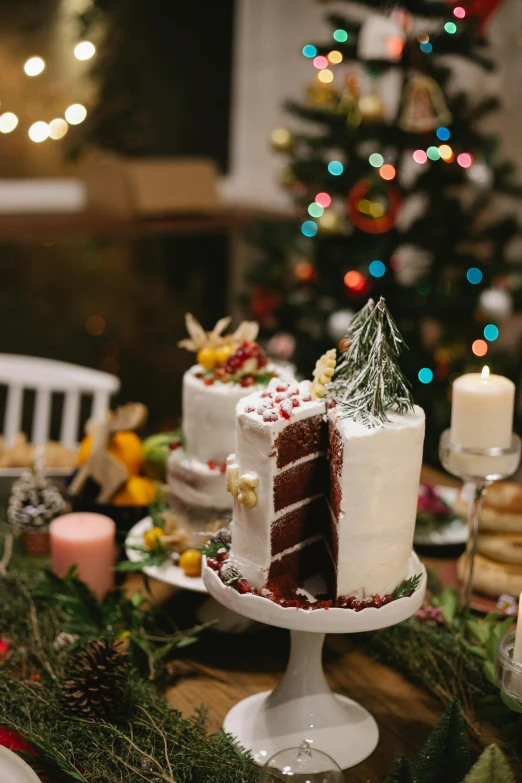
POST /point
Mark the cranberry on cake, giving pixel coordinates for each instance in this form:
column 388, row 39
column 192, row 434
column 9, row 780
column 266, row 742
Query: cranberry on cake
column 229, row 367
column 325, row 475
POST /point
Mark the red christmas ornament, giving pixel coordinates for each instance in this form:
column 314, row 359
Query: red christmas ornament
column 376, row 222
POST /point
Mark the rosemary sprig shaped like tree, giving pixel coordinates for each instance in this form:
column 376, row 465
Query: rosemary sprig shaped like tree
column 369, row 382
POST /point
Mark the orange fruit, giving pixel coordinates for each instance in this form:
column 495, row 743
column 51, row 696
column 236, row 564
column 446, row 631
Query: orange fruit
column 190, row 562
column 138, row 491
column 127, row 447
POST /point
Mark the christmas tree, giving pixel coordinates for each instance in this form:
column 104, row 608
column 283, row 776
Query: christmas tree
column 394, row 181
column 445, row 756
column 491, row 767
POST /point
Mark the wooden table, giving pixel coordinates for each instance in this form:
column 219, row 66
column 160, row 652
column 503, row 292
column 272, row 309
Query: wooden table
column 223, row 669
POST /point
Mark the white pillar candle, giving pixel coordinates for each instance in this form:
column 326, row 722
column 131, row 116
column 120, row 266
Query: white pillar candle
column 482, row 411
column 517, row 649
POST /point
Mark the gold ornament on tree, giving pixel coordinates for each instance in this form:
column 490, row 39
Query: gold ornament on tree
column 424, row 107
column 321, row 96
column 282, row 140
column 330, row 222
column 349, row 102
column 371, row 107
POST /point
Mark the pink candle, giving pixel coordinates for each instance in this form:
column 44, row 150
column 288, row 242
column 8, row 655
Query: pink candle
column 87, row 541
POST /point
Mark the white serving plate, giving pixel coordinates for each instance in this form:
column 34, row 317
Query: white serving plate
column 452, row 533
column 169, row 573
column 13, row 769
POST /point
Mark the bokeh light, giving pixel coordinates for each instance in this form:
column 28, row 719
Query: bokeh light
column 340, row 35
column 474, row 275
column 39, row 131
column 84, row 50
column 354, row 281
column 95, row 325
column 419, row 156
column 315, row 210
column 376, row 160
column 480, row 347
column 309, row 51
column 58, row 128
column 377, row 269
column 446, row 153
column 450, row 27
column 309, row 228
column 465, row 160
column 491, row 332
column 433, row 153
column 427, row 48
column 477, row 172
column 323, row 199
column 377, row 209
column 425, row 375
column 320, row 62
column 8, row 122
column 364, row 206
column 443, row 133
column 423, row 38
column 387, row 171
column 459, row 12
column 305, row 271
column 325, row 76
column 75, row 114
column 34, row 66
column 335, row 57
column 335, row 167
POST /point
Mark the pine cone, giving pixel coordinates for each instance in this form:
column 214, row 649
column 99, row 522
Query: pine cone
column 97, row 680
column 222, row 536
column 230, row 574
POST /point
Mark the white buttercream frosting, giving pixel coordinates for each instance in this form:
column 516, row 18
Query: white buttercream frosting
column 196, row 483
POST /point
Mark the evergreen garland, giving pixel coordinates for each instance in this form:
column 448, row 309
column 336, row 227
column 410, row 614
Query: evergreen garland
column 368, row 382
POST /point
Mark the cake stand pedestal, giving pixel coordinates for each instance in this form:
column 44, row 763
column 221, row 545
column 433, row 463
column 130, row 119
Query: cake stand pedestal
column 302, row 706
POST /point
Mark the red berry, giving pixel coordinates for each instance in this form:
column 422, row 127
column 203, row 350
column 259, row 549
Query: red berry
column 266, row 394
column 281, row 388
column 223, row 468
column 377, row 601
column 248, row 381
column 285, row 409
column 209, row 381
column 175, row 444
column 368, row 602
column 306, row 397
column 295, row 402
column 211, row 464
column 242, row 586
column 249, row 409
column 222, row 556
column 213, row 563
column 357, row 606
column 199, row 375
column 387, row 599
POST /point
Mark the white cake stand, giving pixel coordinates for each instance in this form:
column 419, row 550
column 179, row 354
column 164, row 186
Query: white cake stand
column 302, row 706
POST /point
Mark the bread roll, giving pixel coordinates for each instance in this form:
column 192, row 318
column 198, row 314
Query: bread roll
column 502, row 547
column 502, row 511
column 491, row 578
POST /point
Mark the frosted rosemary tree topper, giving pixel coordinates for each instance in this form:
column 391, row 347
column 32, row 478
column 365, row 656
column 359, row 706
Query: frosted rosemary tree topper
column 369, row 382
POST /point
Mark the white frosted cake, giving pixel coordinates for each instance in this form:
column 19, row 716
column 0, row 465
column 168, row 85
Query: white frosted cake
column 229, row 368
column 322, row 487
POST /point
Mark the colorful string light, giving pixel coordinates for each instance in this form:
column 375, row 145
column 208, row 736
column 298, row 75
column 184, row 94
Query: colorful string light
column 340, row 35
column 323, row 199
column 376, row 160
column 427, row 48
column 419, row 156
column 465, row 160
column 446, row 153
column 433, row 153
column 377, row 269
column 8, row 122
column 491, row 332
column 425, row 375
column 443, row 133
column 423, row 38
column 335, row 57
column 309, row 228
column 304, row 270
column 459, row 12
column 450, row 27
column 320, row 62
column 315, row 210
column 479, row 348
column 34, row 66
column 474, row 275
column 387, row 171
column 335, row 167
column 325, row 76
column 309, row 51
column 354, row 281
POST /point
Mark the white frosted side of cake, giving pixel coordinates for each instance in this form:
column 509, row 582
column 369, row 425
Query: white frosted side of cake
column 256, row 453
column 379, row 484
column 196, row 483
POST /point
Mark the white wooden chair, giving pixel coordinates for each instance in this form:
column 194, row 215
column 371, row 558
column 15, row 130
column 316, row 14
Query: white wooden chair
column 47, row 377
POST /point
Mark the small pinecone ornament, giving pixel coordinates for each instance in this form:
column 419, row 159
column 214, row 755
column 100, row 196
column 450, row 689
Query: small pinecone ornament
column 230, row 574
column 222, row 536
column 34, row 502
column 97, row 680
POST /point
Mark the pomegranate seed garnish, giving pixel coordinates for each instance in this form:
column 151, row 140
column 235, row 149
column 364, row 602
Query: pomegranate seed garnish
column 199, row 375
column 242, row 586
column 212, row 563
column 377, row 601
column 222, row 556
column 222, row 468
column 306, row 397
column 174, row 445
column 249, row 409
column 281, row 388
column 387, row 599
column 357, row 606
column 295, row 402
column 211, row 464
column 269, row 415
column 209, row 381
column 285, row 409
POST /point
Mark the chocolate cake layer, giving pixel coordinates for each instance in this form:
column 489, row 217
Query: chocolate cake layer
column 300, row 439
column 335, row 462
column 300, row 524
column 301, row 482
column 301, row 564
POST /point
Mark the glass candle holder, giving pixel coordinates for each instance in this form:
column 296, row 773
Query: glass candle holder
column 507, row 671
column 479, row 468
